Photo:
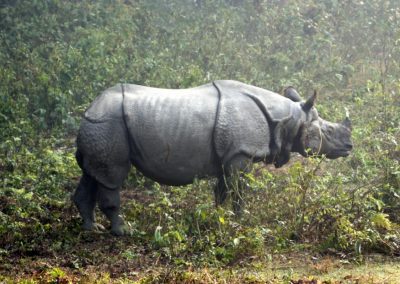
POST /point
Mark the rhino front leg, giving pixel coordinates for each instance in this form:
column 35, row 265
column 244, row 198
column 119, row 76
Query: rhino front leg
column 85, row 200
column 237, row 194
column 233, row 185
column 220, row 191
column 234, row 172
column 109, row 204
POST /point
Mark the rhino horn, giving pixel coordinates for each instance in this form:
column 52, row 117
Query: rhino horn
column 347, row 121
column 310, row 102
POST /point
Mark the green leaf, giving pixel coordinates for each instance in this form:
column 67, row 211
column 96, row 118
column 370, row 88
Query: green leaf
column 381, row 220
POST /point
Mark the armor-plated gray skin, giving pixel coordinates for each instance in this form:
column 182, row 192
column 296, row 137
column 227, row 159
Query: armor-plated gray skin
column 174, row 136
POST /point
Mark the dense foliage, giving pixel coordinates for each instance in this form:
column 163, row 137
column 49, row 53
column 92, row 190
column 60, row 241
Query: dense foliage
column 57, row 56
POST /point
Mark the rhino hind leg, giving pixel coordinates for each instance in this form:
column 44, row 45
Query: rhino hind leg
column 85, row 200
column 109, row 204
column 104, row 152
column 104, row 155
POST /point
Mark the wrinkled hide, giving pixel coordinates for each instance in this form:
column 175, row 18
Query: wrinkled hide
column 174, row 136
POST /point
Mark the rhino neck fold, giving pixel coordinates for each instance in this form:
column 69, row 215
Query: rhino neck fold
column 130, row 140
column 274, row 149
column 217, row 115
column 283, row 131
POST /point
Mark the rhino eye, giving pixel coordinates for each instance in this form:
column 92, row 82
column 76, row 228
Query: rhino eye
column 330, row 130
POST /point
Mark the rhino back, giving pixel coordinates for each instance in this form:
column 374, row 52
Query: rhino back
column 171, row 132
column 277, row 106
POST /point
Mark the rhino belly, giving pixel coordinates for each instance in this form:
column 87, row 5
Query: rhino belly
column 171, row 136
column 167, row 166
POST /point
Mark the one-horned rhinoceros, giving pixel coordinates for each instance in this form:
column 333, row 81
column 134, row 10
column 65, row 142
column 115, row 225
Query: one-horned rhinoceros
column 175, row 136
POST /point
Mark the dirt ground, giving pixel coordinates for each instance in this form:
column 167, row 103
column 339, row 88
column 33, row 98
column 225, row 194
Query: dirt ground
column 100, row 261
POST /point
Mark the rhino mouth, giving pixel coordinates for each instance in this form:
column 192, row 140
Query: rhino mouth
column 338, row 154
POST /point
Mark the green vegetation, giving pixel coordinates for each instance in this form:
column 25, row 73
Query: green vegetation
column 57, row 56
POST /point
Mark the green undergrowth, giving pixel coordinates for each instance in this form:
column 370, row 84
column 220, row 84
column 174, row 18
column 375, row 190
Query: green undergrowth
column 347, row 208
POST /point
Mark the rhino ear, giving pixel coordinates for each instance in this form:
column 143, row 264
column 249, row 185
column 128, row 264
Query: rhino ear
column 292, row 94
column 310, row 102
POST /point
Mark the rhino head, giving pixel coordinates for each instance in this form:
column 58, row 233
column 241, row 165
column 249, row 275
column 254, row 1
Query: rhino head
column 316, row 136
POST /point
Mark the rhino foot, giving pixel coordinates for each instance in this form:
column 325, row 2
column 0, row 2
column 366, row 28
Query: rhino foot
column 93, row 227
column 119, row 230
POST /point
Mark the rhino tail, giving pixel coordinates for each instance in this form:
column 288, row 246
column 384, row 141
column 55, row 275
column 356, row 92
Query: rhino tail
column 79, row 158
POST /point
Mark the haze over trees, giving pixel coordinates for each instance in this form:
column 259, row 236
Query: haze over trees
column 56, row 56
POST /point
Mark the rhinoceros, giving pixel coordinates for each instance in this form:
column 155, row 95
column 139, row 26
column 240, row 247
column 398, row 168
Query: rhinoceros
column 174, row 136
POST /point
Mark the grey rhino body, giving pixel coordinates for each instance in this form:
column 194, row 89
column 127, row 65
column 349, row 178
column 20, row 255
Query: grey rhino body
column 174, row 136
